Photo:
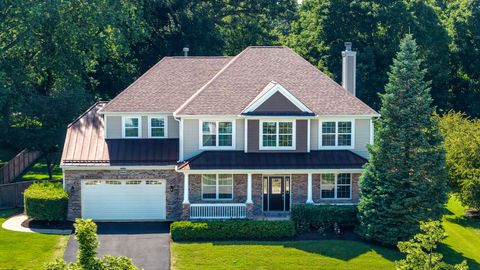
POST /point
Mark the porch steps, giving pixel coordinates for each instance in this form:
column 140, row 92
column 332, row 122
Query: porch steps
column 275, row 216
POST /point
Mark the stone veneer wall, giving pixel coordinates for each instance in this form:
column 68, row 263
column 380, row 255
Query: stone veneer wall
column 174, row 180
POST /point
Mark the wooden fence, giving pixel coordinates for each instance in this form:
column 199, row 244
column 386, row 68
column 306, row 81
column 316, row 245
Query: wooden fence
column 11, row 195
column 17, row 165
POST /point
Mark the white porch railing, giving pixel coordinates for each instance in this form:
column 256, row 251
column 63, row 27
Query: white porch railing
column 218, row 211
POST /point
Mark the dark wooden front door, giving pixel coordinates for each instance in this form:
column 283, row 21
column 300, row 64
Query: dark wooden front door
column 276, row 193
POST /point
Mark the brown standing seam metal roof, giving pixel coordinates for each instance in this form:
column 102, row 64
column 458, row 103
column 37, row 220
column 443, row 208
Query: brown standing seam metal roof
column 237, row 160
column 246, row 75
column 85, row 144
column 167, row 85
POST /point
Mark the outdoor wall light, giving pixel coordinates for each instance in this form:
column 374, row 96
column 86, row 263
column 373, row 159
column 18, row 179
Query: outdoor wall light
column 172, row 188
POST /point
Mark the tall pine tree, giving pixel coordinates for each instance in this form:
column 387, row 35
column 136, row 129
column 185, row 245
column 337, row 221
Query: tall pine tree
column 405, row 180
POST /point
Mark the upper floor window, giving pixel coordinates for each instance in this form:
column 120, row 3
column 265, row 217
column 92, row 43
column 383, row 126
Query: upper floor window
column 335, row 134
column 217, row 186
column 131, row 127
column 157, row 127
column 217, row 134
column 277, row 135
column 336, row 186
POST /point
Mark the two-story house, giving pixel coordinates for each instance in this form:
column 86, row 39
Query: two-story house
column 220, row 137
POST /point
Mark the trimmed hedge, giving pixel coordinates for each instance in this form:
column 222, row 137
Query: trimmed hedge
column 231, row 230
column 309, row 217
column 46, row 201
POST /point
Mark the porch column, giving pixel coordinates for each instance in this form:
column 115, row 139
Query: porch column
column 185, row 188
column 309, row 189
column 249, row 188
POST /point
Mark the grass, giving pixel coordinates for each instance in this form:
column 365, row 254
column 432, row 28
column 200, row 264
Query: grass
column 329, row 254
column 39, row 172
column 28, row 250
column 462, row 243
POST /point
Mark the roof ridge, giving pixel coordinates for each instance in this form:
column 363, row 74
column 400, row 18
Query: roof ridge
column 328, row 77
column 87, row 111
column 190, row 99
column 199, row 57
column 134, row 82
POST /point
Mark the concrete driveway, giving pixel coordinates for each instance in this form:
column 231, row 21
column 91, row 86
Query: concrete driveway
column 147, row 243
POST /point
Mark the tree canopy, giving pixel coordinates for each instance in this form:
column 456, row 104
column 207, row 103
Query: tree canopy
column 405, row 180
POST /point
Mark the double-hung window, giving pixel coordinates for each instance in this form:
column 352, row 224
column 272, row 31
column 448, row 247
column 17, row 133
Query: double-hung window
column 218, row 134
column 217, row 186
column 131, row 127
column 157, row 127
column 336, row 134
column 336, row 186
column 277, row 135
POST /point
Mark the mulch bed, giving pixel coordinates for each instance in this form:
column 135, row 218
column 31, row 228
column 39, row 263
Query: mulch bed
column 473, row 213
column 40, row 224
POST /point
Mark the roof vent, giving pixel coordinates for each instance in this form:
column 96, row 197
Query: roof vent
column 185, row 51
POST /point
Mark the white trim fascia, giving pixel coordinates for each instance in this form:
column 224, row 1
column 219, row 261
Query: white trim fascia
column 308, row 135
column 277, row 148
column 245, row 141
column 135, row 113
column 320, row 133
column 200, row 135
column 180, row 138
column 139, row 126
column 270, row 89
column 212, row 117
column 107, row 167
column 350, row 116
column 372, row 132
column 105, row 127
column 270, row 171
column 299, row 117
column 165, row 126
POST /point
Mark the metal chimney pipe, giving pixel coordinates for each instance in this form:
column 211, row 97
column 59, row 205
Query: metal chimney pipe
column 185, row 51
column 349, row 65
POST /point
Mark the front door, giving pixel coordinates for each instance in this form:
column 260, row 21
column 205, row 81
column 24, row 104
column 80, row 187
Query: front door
column 276, row 195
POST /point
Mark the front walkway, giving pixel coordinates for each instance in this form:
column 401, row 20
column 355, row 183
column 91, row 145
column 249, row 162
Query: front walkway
column 15, row 224
column 147, row 243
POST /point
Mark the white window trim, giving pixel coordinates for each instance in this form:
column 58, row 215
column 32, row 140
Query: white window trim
column 139, row 126
column 165, row 126
column 200, row 137
column 217, row 188
column 336, row 186
column 320, row 134
column 294, row 136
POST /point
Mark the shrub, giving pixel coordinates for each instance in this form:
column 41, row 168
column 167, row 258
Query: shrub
column 86, row 236
column 231, row 230
column 46, row 201
column 309, row 217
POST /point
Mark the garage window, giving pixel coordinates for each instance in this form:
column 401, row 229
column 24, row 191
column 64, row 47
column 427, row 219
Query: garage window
column 134, row 182
column 113, row 182
column 92, row 182
column 154, row 182
column 217, row 186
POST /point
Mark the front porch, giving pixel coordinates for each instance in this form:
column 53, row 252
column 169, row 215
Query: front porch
column 266, row 196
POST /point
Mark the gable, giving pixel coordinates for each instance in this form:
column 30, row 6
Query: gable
column 275, row 99
column 277, row 103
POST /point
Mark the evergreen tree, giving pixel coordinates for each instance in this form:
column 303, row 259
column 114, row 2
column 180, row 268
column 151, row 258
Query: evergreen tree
column 405, row 180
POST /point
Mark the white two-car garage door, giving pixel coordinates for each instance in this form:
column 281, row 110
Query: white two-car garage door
column 123, row 199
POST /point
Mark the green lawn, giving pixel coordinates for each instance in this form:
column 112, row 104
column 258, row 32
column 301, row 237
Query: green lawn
column 463, row 243
column 28, row 250
column 39, row 172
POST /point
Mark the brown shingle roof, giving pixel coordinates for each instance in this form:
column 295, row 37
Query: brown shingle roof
column 237, row 84
column 238, row 160
column 85, row 144
column 167, row 85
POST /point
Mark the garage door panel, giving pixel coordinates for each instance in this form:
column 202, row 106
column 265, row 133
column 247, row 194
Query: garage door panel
column 123, row 201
